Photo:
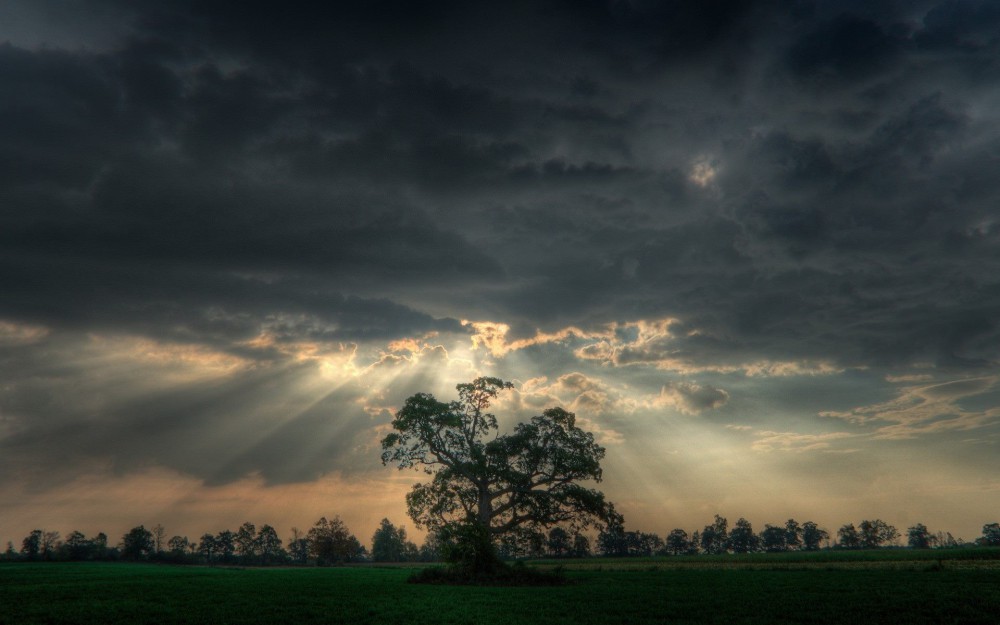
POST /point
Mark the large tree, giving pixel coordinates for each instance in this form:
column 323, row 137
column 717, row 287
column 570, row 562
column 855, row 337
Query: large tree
column 741, row 538
column 919, row 537
column 991, row 535
column 812, row 536
column 389, row 544
column 331, row 541
column 493, row 484
column 874, row 534
column 138, row 543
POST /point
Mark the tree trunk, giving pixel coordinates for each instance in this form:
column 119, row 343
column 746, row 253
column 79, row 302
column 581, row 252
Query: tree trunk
column 485, row 511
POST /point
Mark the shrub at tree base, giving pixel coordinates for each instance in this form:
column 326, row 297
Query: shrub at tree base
column 473, row 561
column 503, row 575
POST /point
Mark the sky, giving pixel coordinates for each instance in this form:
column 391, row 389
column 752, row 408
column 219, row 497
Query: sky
column 754, row 246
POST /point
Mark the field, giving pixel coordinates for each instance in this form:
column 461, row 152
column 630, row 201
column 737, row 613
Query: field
column 824, row 588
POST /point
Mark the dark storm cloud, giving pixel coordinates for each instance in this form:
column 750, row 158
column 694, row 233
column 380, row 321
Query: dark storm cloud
column 809, row 181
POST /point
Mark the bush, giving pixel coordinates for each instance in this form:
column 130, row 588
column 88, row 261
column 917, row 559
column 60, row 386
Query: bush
column 517, row 575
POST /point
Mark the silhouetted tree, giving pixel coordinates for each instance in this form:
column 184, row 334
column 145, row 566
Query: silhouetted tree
column 137, row 544
column 245, row 541
column 225, row 545
column 50, row 543
column 389, row 543
column 944, row 540
column 581, row 546
column 178, row 546
column 918, row 537
column 677, row 542
column 298, row 546
column 612, row 539
column 774, row 539
column 535, row 542
column 812, row 536
column 714, row 537
column 430, row 551
column 31, row 546
column 500, row 483
column 559, row 542
column 742, row 538
column 77, row 547
column 159, row 537
column 330, row 542
column 848, row 537
column 695, row 546
column 991, row 535
column 874, row 534
column 268, row 545
column 208, row 547
column 793, row 534
column 100, row 544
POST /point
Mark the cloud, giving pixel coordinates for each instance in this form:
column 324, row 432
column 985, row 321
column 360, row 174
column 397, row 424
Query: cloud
column 928, row 409
column 691, row 398
column 19, row 333
column 768, row 441
column 597, row 404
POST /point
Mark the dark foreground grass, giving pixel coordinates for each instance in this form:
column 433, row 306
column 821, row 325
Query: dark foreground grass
column 124, row 593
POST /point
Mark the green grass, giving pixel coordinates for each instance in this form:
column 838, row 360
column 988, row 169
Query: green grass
column 926, row 591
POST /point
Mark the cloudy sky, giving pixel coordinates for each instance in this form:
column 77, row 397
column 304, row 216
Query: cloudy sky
column 755, row 246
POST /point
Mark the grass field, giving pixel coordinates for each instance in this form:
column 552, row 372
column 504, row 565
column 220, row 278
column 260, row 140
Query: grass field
column 901, row 587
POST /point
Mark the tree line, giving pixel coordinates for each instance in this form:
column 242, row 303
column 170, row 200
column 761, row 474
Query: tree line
column 329, row 542
column 717, row 538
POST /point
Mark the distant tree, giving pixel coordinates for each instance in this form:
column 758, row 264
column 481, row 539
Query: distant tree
column 695, row 546
column 529, row 479
column 269, row 545
column 677, row 542
column 812, row 536
column 138, row 544
column 330, row 542
column 430, row 551
column 178, row 545
column 918, row 537
column 559, row 542
column 298, row 546
column 581, row 546
column 642, row 543
column 774, row 539
column 793, row 534
column 225, row 545
column 874, row 534
column 50, row 544
column 944, row 540
column 159, row 537
column 208, row 547
column 10, row 554
column 77, row 547
column 389, row 543
column 848, row 537
column 31, row 546
column 742, row 538
column 991, row 535
column 100, row 545
column 535, row 541
column 245, row 542
column 714, row 537
column 612, row 540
